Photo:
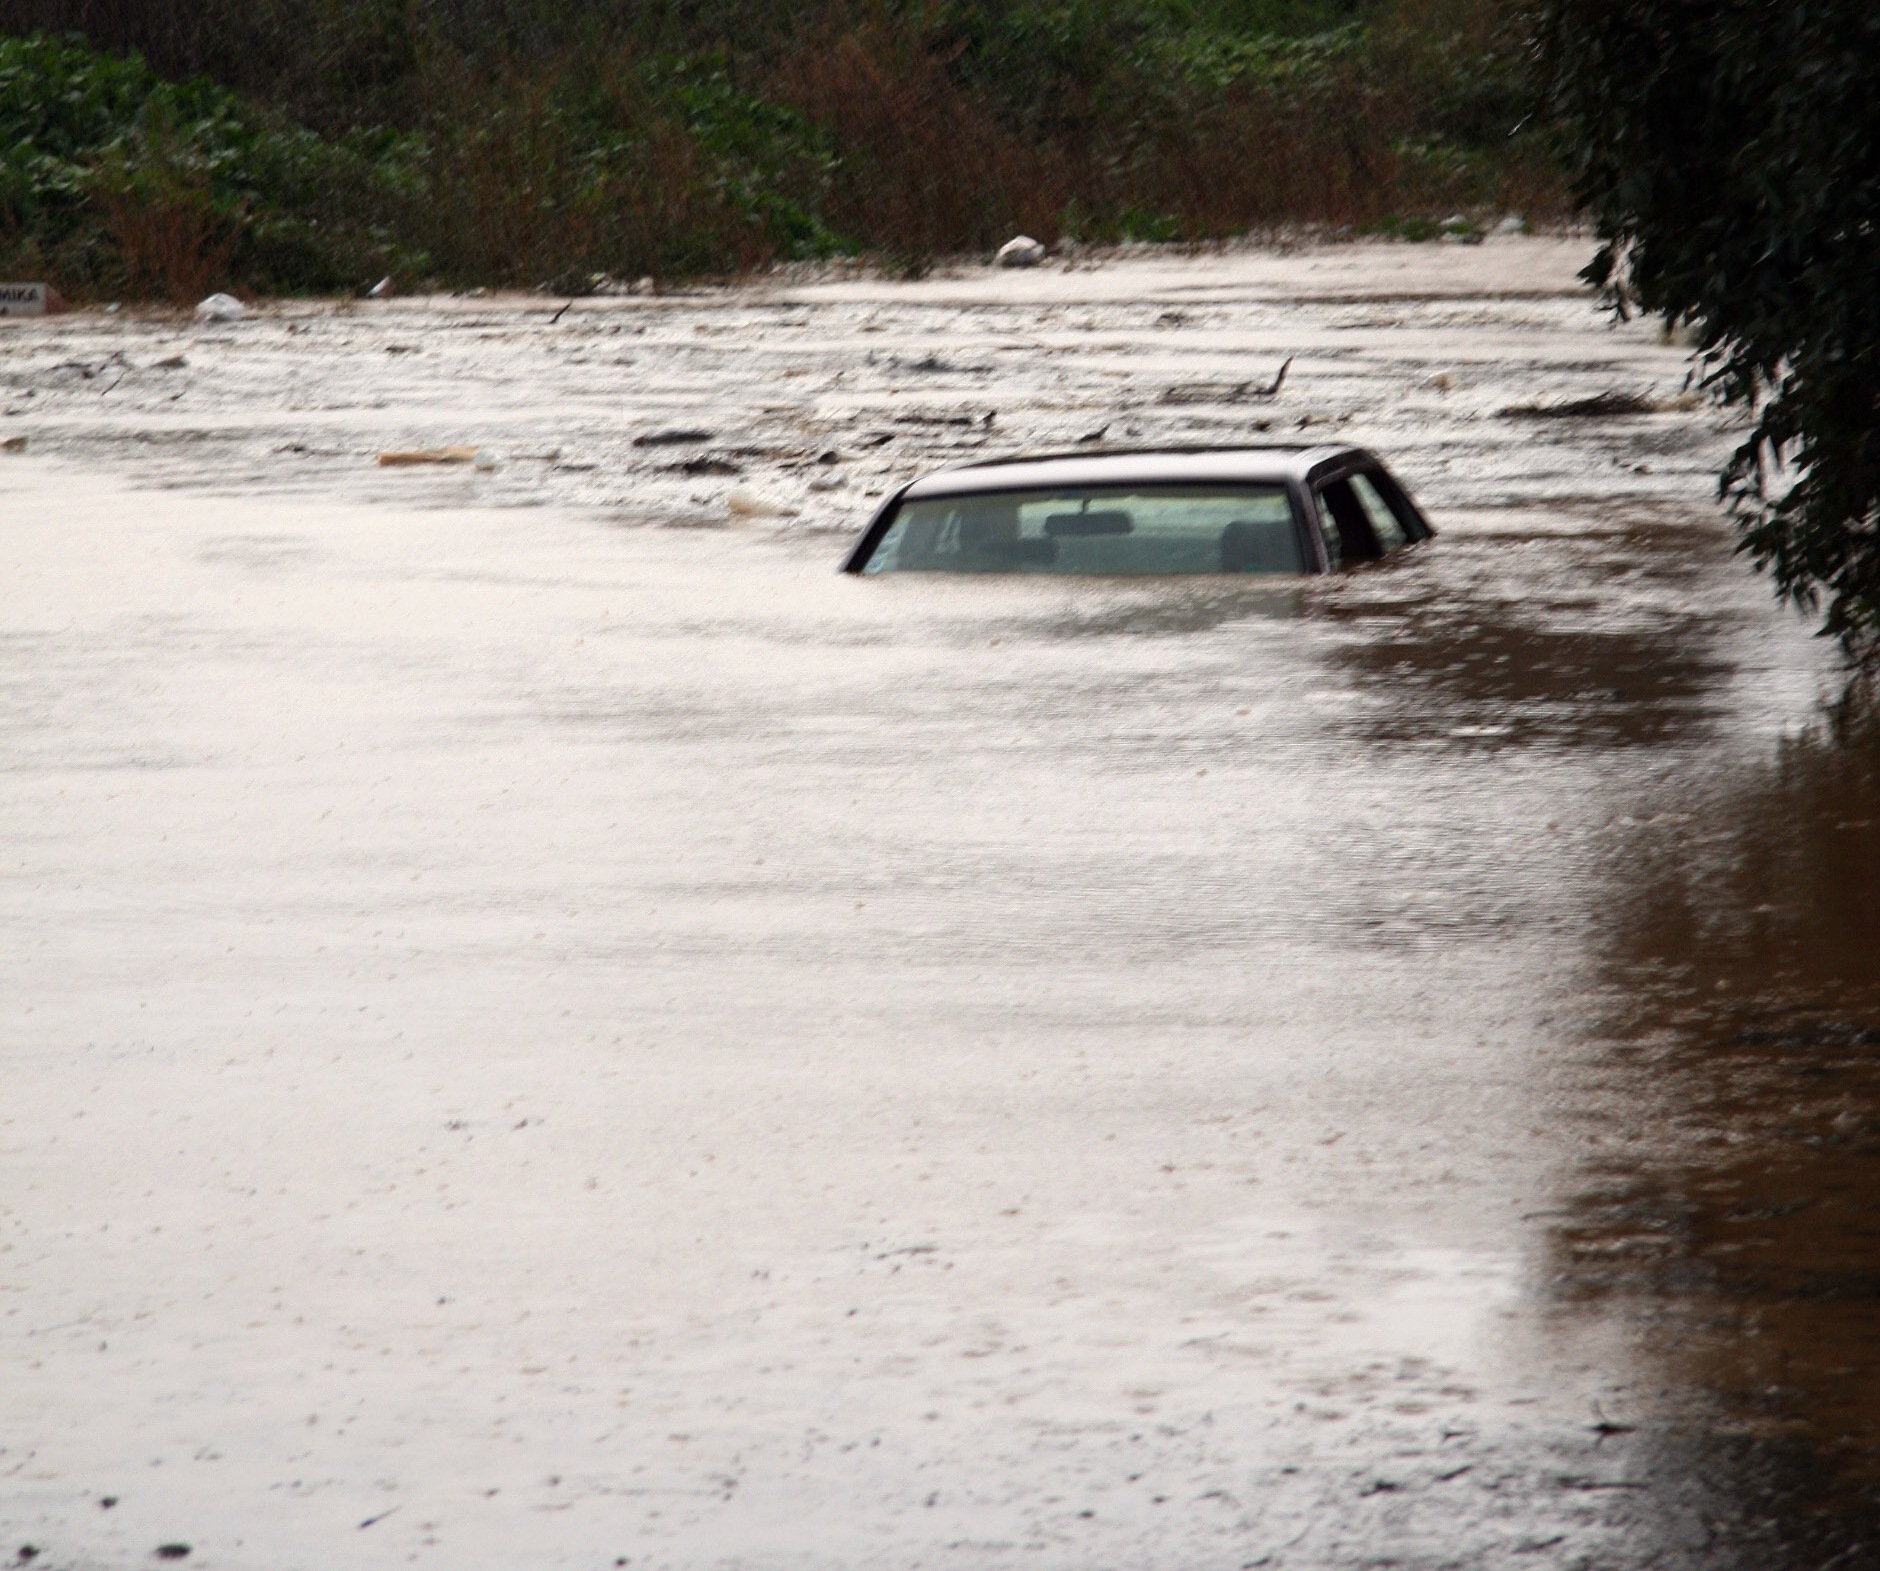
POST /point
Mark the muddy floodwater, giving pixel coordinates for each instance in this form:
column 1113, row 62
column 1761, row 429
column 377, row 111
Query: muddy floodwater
column 542, row 1026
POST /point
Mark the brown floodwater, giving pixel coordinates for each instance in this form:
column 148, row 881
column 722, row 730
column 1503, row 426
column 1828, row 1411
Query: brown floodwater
column 1724, row 1205
column 1731, row 1214
column 541, row 1024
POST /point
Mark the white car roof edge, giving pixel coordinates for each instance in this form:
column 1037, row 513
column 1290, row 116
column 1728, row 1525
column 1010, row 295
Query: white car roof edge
column 1143, row 466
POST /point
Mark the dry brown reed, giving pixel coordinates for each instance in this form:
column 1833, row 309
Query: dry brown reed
column 923, row 167
column 170, row 243
column 521, row 191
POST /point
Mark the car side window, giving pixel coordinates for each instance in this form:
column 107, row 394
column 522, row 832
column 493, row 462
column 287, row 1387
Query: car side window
column 1341, row 514
column 1384, row 525
column 1328, row 527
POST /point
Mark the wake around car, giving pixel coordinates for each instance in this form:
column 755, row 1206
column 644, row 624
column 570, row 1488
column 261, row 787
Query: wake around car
column 1169, row 510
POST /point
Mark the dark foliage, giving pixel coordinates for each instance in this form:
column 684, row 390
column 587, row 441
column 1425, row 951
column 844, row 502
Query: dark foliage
column 1729, row 151
column 111, row 177
column 547, row 141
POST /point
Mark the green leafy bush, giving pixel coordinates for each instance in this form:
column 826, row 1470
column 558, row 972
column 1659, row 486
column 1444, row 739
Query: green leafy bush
column 1729, row 151
column 539, row 141
column 119, row 179
column 766, row 160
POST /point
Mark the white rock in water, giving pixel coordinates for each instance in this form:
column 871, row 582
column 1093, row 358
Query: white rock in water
column 382, row 290
column 1513, row 224
column 1020, row 251
column 221, row 308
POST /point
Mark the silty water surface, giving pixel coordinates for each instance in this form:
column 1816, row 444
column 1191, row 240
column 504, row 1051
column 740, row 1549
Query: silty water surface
column 532, row 1033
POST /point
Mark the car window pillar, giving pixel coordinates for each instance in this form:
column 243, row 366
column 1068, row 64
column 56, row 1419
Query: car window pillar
column 1357, row 542
column 1415, row 525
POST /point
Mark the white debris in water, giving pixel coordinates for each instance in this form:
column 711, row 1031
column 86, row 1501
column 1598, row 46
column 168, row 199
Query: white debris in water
column 31, row 300
column 742, row 502
column 220, row 308
column 1020, row 251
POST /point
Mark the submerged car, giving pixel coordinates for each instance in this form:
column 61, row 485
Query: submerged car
column 1168, row 510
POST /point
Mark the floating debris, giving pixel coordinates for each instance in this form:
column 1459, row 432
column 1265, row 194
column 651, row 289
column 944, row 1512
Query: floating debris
column 1225, row 392
column 1599, row 406
column 705, row 464
column 220, row 308
column 1020, row 251
column 745, row 503
column 401, row 458
column 30, row 300
column 932, row 417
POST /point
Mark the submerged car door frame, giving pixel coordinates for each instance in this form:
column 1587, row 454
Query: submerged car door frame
column 864, row 548
column 1343, row 466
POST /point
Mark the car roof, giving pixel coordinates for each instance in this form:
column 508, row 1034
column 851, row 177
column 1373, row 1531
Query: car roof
column 1145, row 466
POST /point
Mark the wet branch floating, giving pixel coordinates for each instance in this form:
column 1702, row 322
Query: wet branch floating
column 1225, row 392
column 398, row 459
column 1599, row 406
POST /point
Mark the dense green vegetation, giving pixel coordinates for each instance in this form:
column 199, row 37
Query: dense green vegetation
column 110, row 175
column 1729, row 151
column 156, row 147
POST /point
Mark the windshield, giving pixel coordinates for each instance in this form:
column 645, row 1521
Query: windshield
column 1147, row 529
